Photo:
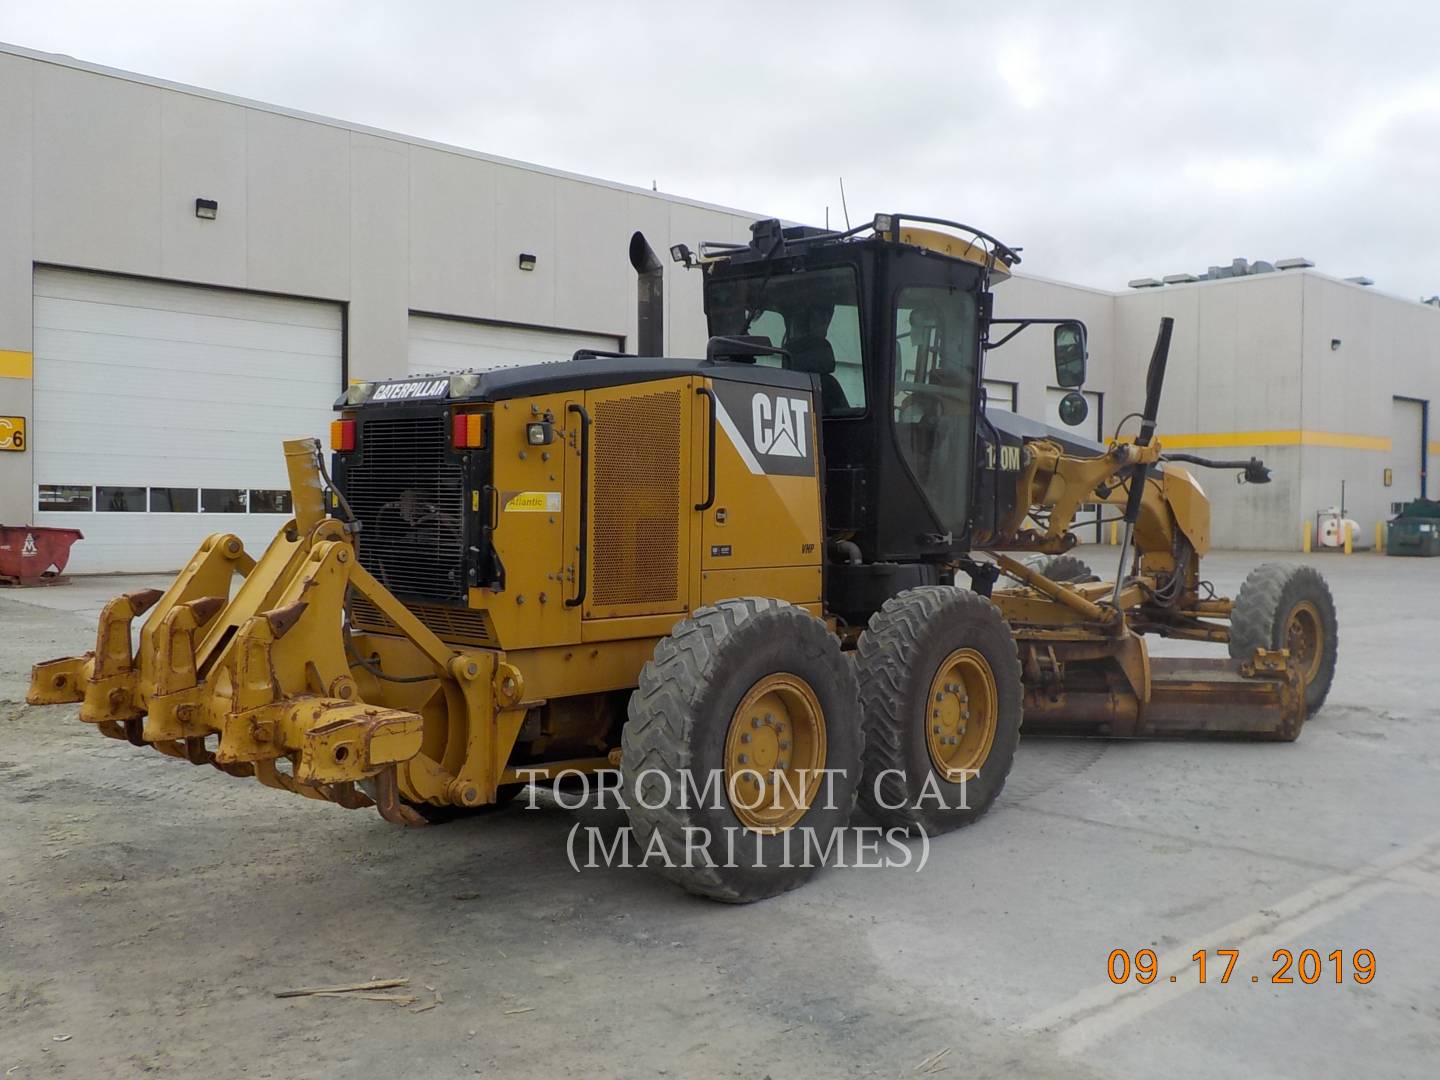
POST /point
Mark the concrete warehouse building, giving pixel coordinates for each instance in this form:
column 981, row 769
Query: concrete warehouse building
column 187, row 278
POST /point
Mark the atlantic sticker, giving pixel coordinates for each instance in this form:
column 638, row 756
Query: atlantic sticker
column 533, row 502
column 772, row 428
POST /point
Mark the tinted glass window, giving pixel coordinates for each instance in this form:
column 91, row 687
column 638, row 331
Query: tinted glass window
column 934, row 393
column 60, row 497
column 120, row 500
column 814, row 315
column 174, row 500
column 269, row 501
column 222, row 501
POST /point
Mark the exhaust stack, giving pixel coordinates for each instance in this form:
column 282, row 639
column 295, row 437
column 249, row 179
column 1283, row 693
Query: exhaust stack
column 650, row 296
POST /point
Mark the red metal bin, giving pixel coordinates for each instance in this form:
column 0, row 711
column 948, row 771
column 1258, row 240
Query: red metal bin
column 33, row 554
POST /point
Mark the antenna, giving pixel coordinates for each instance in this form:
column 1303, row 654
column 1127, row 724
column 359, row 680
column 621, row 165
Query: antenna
column 842, row 204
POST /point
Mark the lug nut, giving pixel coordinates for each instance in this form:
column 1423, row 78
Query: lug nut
column 755, row 721
column 782, row 765
column 936, row 729
column 784, row 746
column 744, row 759
column 952, row 687
column 745, row 737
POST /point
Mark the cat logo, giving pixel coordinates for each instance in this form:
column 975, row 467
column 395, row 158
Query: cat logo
column 770, row 427
column 779, row 425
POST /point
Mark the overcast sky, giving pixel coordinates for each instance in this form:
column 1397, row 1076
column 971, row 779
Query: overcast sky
column 1112, row 140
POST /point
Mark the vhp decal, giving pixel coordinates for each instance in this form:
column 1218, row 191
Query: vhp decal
column 770, row 428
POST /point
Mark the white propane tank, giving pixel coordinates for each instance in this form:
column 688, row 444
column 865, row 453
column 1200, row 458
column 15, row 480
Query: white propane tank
column 1331, row 528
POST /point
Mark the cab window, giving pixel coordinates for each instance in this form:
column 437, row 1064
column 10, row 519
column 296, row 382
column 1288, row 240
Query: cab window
column 814, row 315
column 934, row 393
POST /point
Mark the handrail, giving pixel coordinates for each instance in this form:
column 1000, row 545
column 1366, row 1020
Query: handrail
column 710, row 464
column 584, row 546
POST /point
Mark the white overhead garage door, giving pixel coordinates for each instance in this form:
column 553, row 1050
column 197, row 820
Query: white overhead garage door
column 160, row 410
column 438, row 344
column 1407, row 450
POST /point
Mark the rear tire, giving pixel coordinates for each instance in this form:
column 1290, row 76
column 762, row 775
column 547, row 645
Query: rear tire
column 937, row 658
column 763, row 671
column 1282, row 606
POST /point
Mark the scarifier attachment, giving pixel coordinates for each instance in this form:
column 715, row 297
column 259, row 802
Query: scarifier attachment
column 265, row 669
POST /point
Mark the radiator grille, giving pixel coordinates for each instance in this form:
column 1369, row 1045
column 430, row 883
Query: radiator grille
column 636, row 500
column 460, row 626
column 410, row 500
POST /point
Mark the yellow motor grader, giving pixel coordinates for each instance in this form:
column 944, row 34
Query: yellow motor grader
column 741, row 576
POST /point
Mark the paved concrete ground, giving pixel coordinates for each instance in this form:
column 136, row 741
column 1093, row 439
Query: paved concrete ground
column 148, row 909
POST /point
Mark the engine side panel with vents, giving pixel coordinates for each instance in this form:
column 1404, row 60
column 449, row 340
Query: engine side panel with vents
column 641, row 504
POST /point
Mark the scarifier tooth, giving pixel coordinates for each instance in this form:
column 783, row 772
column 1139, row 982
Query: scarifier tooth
column 206, row 607
column 142, row 600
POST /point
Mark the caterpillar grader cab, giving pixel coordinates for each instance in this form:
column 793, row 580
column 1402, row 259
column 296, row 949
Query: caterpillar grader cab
column 807, row 569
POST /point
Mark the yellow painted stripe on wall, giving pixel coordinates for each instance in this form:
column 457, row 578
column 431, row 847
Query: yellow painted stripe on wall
column 1296, row 437
column 16, row 365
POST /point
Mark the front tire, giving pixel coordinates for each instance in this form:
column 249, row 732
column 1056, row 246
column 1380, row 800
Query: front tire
column 755, row 693
column 941, row 694
column 1282, row 606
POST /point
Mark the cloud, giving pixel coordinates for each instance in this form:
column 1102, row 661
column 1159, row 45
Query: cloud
column 1113, row 140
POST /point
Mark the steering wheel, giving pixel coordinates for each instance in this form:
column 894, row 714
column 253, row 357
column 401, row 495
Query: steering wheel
column 927, row 402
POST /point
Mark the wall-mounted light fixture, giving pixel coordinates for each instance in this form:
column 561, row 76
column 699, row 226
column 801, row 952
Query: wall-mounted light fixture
column 527, row 261
column 206, row 209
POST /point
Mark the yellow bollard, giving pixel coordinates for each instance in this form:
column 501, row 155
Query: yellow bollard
column 1349, row 537
column 1114, row 533
column 1305, row 539
column 1379, row 536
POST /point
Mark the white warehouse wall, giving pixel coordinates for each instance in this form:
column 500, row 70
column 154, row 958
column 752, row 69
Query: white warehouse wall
column 102, row 170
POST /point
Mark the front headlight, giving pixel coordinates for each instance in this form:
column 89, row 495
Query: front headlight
column 358, row 393
column 463, row 383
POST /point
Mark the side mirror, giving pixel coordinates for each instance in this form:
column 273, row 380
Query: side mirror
column 1073, row 409
column 1070, row 354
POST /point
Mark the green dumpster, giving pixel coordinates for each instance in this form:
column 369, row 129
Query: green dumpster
column 1416, row 529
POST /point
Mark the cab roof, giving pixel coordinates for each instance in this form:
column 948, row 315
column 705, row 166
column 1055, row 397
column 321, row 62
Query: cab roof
column 951, row 239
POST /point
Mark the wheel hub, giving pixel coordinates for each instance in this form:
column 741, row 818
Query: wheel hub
column 1305, row 638
column 961, row 715
column 774, row 752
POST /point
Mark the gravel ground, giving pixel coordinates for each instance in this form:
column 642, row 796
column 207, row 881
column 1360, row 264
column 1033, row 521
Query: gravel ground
column 148, row 909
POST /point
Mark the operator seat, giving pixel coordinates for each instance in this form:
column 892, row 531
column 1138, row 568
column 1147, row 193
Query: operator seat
column 816, row 356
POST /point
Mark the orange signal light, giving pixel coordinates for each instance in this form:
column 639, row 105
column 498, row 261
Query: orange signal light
column 342, row 435
column 467, row 431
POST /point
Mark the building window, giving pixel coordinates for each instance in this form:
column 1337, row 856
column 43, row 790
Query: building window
column 1000, row 394
column 120, row 500
column 168, row 500
column 269, row 501
column 66, row 497
column 222, row 501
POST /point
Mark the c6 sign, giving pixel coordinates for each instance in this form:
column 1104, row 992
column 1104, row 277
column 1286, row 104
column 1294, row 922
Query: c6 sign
column 12, row 433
